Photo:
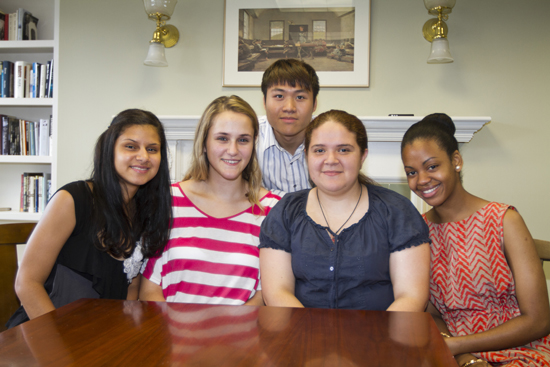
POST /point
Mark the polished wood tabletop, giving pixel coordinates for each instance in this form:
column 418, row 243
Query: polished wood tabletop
column 133, row 333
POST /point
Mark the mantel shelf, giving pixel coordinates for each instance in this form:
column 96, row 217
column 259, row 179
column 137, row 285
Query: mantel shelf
column 379, row 128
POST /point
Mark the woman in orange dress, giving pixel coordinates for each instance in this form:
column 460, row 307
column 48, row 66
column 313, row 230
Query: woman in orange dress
column 487, row 287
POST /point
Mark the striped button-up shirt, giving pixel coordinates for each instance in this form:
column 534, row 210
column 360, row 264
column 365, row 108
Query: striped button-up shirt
column 281, row 170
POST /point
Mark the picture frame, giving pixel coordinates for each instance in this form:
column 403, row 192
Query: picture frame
column 335, row 40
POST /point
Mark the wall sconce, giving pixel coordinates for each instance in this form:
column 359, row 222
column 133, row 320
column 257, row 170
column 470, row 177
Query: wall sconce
column 435, row 30
column 166, row 35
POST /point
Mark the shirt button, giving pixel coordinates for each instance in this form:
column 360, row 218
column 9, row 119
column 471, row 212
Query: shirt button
column 332, row 268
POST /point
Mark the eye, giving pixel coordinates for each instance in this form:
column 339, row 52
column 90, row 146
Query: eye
column 153, row 150
column 410, row 173
column 244, row 140
column 278, row 96
column 344, row 150
column 130, row 146
column 221, row 138
column 432, row 167
column 301, row 97
column 318, row 150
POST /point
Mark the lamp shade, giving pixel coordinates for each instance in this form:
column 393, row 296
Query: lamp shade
column 440, row 53
column 165, row 7
column 430, row 4
column 155, row 56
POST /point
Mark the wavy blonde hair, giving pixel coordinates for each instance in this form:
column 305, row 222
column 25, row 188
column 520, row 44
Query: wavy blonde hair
column 200, row 165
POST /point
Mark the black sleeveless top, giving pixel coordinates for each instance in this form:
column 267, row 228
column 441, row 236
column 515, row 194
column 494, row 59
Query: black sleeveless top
column 81, row 270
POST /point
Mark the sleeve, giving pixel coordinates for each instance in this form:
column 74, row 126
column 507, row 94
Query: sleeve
column 151, row 269
column 406, row 227
column 275, row 230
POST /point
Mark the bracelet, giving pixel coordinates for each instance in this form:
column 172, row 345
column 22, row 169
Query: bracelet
column 445, row 335
column 471, row 362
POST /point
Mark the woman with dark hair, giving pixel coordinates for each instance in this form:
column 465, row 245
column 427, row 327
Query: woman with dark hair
column 93, row 234
column 346, row 243
column 212, row 255
column 487, row 288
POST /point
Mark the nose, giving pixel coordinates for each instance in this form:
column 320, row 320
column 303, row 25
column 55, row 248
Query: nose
column 232, row 149
column 331, row 158
column 143, row 155
column 423, row 178
column 290, row 105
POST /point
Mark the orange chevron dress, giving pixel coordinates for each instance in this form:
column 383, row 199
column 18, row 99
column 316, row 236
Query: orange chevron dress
column 472, row 285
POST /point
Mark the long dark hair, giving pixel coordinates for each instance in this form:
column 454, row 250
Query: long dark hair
column 352, row 124
column 116, row 226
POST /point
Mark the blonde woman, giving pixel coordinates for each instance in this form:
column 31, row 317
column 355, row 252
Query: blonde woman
column 212, row 255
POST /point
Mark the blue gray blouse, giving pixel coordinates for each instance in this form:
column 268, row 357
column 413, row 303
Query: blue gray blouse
column 354, row 271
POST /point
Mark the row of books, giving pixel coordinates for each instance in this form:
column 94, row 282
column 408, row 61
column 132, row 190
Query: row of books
column 22, row 79
column 23, row 137
column 18, row 26
column 35, row 191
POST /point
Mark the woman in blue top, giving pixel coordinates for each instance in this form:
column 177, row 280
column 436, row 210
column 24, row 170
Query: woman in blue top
column 346, row 243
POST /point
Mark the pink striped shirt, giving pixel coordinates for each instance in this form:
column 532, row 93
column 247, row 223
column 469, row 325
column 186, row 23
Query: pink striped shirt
column 207, row 259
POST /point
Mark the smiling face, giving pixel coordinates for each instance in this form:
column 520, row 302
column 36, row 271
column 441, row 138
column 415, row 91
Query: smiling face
column 137, row 157
column 334, row 159
column 431, row 173
column 229, row 145
column 288, row 110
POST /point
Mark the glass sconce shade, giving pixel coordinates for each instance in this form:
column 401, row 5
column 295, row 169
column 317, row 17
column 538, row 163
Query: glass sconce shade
column 155, row 56
column 164, row 7
column 440, row 53
column 430, row 4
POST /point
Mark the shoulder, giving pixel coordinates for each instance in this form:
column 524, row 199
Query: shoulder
column 291, row 204
column 380, row 196
column 78, row 191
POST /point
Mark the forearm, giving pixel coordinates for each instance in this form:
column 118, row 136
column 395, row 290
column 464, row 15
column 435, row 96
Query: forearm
column 34, row 299
column 281, row 298
column 518, row 331
column 409, row 304
column 256, row 300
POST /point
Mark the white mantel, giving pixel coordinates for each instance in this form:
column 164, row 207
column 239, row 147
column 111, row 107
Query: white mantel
column 385, row 133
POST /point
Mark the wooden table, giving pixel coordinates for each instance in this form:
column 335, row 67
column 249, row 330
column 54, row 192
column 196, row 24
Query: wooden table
column 133, row 333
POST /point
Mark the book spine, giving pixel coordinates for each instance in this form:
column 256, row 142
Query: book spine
column 6, row 27
column 42, row 88
column 32, row 135
column 47, row 88
column 30, row 194
column 13, row 26
column 50, row 90
column 20, row 20
column 25, row 191
column 5, row 136
column 19, row 79
column 7, row 75
column 44, row 137
column 28, row 68
column 40, row 193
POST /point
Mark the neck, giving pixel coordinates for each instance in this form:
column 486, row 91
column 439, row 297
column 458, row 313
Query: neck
column 290, row 143
column 342, row 199
column 457, row 206
column 227, row 190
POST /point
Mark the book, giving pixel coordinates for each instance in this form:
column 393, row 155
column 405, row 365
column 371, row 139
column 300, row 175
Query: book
column 5, row 135
column 19, row 79
column 42, row 89
column 13, row 26
column 35, row 80
column 47, row 88
column 44, row 145
column 50, row 86
column 21, row 13
column 22, row 137
column 2, row 21
column 28, row 68
column 6, row 88
column 30, row 32
column 14, row 136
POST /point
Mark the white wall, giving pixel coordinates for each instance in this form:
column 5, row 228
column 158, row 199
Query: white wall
column 502, row 58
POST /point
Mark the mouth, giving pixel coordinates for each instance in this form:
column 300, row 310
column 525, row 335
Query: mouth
column 231, row 162
column 288, row 119
column 331, row 173
column 429, row 192
column 139, row 168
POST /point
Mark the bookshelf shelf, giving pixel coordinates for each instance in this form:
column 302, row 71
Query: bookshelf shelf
column 26, row 102
column 26, row 46
column 26, row 159
column 19, row 216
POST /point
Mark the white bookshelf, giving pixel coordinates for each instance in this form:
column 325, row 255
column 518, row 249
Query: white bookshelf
column 41, row 50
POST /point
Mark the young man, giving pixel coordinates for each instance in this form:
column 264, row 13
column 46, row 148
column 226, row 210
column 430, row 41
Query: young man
column 290, row 89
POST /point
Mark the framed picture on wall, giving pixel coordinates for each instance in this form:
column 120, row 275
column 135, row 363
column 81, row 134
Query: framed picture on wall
column 335, row 40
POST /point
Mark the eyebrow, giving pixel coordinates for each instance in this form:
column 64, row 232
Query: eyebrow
column 302, row 90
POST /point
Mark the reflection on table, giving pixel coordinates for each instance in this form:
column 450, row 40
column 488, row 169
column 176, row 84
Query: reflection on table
column 130, row 333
